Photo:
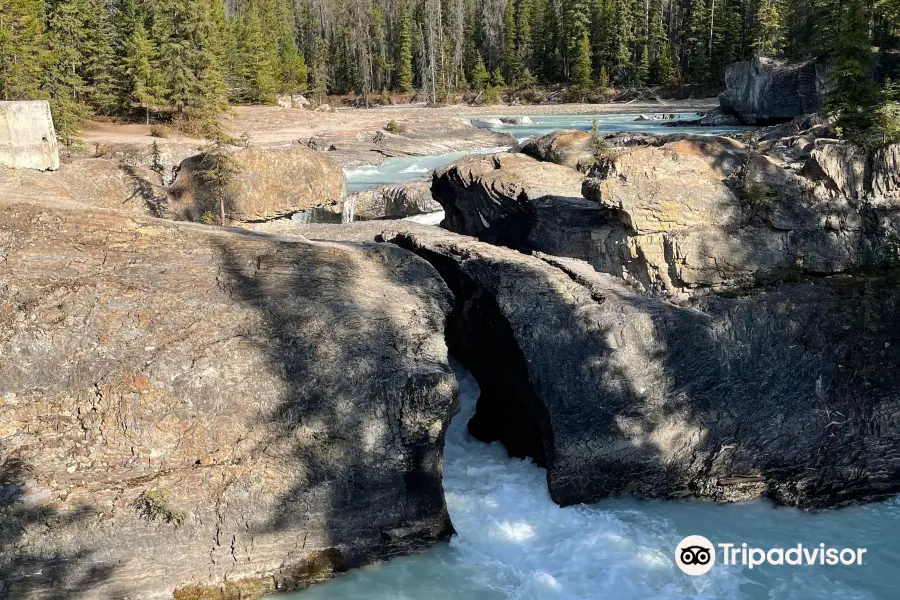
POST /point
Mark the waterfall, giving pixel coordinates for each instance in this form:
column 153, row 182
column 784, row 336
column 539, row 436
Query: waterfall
column 349, row 211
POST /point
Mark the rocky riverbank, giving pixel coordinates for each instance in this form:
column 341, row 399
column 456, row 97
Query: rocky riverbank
column 218, row 412
column 208, row 412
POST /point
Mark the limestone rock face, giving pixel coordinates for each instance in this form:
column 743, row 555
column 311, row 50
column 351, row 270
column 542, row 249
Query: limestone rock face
column 706, row 218
column 682, row 215
column 886, row 175
column 272, row 183
column 791, row 393
column 567, row 147
column 393, row 201
column 514, row 200
column 209, row 410
column 767, row 89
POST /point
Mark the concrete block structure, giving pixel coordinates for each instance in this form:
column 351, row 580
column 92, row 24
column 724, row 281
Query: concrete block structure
column 27, row 136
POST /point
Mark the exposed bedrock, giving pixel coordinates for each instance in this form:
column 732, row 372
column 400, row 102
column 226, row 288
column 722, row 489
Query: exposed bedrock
column 763, row 90
column 270, row 183
column 683, row 215
column 567, row 147
column 517, row 201
column 210, row 410
column 394, row 201
column 791, row 393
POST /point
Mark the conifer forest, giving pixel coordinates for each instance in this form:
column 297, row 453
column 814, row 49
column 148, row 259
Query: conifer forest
column 137, row 57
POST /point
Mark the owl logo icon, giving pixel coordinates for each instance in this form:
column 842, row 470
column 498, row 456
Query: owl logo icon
column 695, row 555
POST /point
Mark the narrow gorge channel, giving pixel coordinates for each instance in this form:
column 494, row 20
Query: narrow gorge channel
column 514, row 543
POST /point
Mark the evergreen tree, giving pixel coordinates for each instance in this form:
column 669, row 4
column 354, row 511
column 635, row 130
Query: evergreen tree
column 404, row 54
column 770, row 27
column 511, row 65
column 141, row 84
column 480, row 76
column 696, row 57
column 22, row 49
column 667, row 74
column 581, row 73
column 292, row 73
column 846, row 41
column 186, row 58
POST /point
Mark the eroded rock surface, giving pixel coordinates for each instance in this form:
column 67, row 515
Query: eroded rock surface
column 767, row 89
column 567, row 147
column 682, row 215
column 271, row 183
column 791, row 393
column 394, row 201
column 209, row 410
column 500, row 198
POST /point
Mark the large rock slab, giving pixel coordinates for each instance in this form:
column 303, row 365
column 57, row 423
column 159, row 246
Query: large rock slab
column 209, row 411
column 27, row 136
column 568, row 147
column 395, row 201
column 711, row 215
column 271, row 183
column 765, row 89
column 515, row 200
column 791, row 393
column 99, row 182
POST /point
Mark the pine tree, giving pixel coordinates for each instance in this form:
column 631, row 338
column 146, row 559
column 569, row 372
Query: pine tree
column 186, row 58
column 141, row 84
column 845, row 39
column 623, row 39
column 581, row 73
column 22, row 49
column 480, row 76
column 292, row 72
column 404, row 54
column 667, row 74
column 511, row 65
column 770, row 27
column 696, row 43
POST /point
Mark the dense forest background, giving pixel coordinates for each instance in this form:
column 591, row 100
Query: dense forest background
column 197, row 56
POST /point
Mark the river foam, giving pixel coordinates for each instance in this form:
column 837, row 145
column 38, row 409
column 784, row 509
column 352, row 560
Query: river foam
column 514, row 543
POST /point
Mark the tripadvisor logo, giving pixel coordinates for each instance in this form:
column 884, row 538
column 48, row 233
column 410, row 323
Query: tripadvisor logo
column 696, row 555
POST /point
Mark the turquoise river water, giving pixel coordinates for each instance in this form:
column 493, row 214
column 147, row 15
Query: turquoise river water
column 514, row 543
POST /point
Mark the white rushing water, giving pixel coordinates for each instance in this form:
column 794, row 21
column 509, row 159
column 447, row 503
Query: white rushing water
column 405, row 168
column 514, row 543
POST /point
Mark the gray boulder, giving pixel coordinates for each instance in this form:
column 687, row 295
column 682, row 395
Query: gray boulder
column 392, row 201
column 719, row 118
column 514, row 200
column 210, row 412
column 270, row 183
column 567, row 147
column 767, row 89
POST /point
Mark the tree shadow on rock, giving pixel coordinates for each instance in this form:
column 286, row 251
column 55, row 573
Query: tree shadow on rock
column 353, row 427
column 26, row 569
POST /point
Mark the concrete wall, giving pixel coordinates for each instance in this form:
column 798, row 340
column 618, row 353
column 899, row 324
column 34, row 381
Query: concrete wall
column 27, row 137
